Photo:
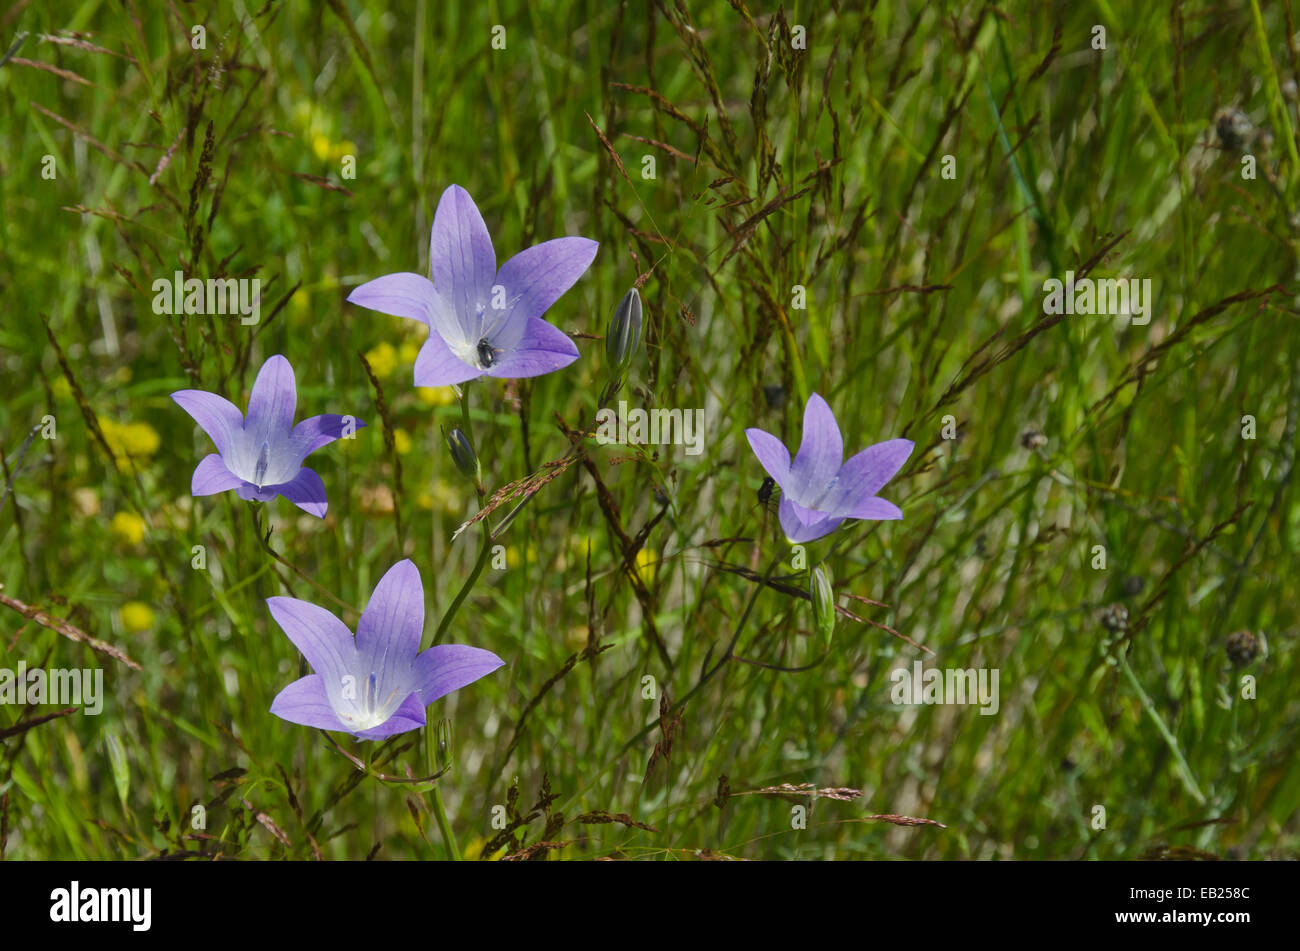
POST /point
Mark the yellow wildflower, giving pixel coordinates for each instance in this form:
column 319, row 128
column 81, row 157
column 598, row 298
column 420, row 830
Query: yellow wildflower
column 382, row 359
column 436, row 395
column 137, row 616
column 132, row 441
column 645, row 565
column 128, row 527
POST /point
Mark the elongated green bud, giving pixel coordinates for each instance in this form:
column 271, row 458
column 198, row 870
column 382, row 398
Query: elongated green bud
column 443, row 736
column 823, row 601
column 462, row 453
column 624, row 333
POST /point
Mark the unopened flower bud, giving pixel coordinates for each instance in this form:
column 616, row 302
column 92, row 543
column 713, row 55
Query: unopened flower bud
column 443, row 737
column 823, row 600
column 462, row 453
column 624, row 333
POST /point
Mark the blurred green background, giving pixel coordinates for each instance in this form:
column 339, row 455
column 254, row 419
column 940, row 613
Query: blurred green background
column 723, row 155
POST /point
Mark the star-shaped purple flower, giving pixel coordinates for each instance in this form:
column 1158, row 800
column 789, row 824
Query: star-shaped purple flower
column 261, row 456
column 482, row 322
column 376, row 684
column 819, row 489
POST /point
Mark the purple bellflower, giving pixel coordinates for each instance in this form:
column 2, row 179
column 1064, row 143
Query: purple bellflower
column 819, row 489
column 260, row 456
column 377, row 684
column 482, row 321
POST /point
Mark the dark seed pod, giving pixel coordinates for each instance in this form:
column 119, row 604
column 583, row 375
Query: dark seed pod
column 1234, row 129
column 1132, row 585
column 1033, row 439
column 1114, row 618
column 774, row 393
column 1242, row 648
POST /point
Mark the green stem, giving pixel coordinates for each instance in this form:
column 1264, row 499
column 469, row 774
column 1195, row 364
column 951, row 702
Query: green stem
column 433, row 767
column 461, row 595
column 444, row 826
column 486, row 548
column 1184, row 771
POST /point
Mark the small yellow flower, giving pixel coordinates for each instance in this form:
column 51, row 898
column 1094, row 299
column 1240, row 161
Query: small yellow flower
column 132, row 441
column 137, row 616
column 382, row 359
column 645, row 564
column 401, row 441
column 320, row 144
column 436, row 395
column 128, row 527
column 408, row 351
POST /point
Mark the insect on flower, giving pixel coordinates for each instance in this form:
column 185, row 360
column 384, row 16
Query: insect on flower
column 487, row 354
column 819, row 489
column 483, row 321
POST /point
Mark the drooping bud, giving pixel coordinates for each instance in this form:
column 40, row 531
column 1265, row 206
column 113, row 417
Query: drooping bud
column 823, row 601
column 624, row 333
column 462, row 453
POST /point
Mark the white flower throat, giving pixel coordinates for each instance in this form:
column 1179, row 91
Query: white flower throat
column 370, row 709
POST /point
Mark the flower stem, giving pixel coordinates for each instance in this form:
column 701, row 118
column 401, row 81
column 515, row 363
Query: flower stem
column 264, row 541
column 461, row 595
column 444, row 826
column 485, row 550
column 1184, row 771
column 439, row 810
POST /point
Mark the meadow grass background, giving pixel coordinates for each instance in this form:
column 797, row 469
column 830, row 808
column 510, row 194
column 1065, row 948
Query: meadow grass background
column 775, row 167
